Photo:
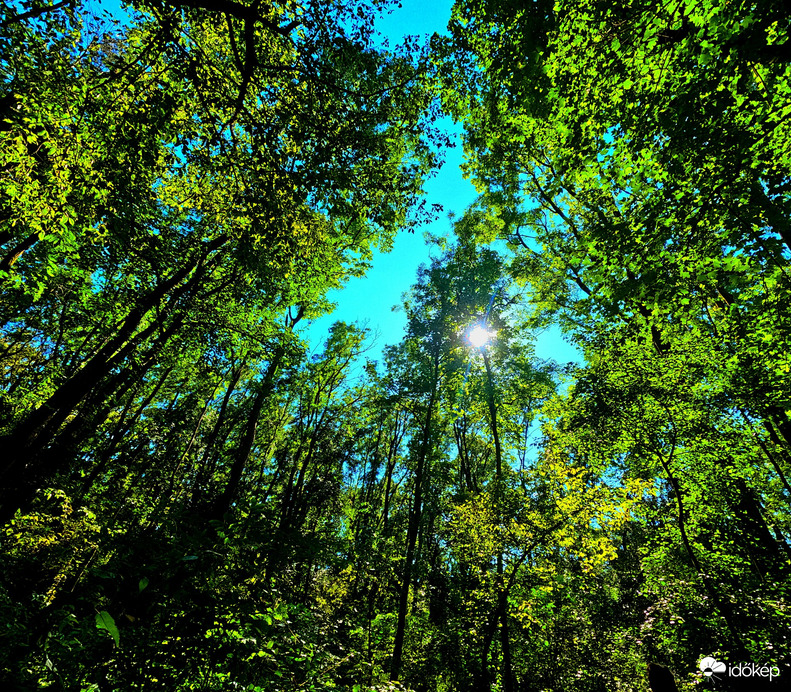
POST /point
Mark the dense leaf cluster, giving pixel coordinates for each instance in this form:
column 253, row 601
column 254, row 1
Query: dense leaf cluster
column 191, row 501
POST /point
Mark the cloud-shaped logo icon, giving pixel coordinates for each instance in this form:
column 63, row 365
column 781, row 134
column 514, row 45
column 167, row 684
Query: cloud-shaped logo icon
column 709, row 666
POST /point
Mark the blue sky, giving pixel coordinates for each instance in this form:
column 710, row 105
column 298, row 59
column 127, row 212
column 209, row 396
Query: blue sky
column 370, row 300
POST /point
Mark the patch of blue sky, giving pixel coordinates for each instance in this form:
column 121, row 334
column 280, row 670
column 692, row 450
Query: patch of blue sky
column 115, row 9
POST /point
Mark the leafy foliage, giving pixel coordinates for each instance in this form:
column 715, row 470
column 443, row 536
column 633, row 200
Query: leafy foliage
column 191, row 501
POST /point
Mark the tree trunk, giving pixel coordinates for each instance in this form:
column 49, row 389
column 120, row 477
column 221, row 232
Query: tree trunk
column 224, row 501
column 24, row 469
column 412, row 531
column 502, row 596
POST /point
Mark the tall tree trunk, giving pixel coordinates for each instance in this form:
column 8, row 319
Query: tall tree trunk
column 392, row 456
column 502, row 595
column 242, row 454
column 23, row 469
column 204, row 469
column 412, row 529
column 121, row 430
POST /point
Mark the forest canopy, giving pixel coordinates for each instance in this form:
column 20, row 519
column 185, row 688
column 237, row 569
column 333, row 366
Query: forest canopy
column 192, row 500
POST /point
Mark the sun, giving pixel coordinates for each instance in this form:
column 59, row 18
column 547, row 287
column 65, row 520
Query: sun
column 479, row 336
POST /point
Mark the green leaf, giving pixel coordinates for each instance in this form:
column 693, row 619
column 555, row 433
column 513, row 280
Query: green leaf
column 143, row 584
column 104, row 621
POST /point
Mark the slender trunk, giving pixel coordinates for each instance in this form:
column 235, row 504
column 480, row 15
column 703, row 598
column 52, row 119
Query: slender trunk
column 780, row 423
column 223, row 503
column 412, row 530
column 77, row 387
column 392, row 456
column 369, row 479
column 94, row 409
column 24, row 469
column 774, row 462
column 505, row 641
column 757, row 532
column 502, row 596
column 498, row 452
column 183, row 456
column 466, row 480
column 121, row 430
column 10, row 259
column 204, row 471
column 724, row 609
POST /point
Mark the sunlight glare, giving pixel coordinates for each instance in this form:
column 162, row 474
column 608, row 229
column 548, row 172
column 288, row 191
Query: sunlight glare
column 479, row 337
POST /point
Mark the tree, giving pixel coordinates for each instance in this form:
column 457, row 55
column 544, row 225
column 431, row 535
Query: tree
column 246, row 198
column 634, row 157
column 179, row 193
